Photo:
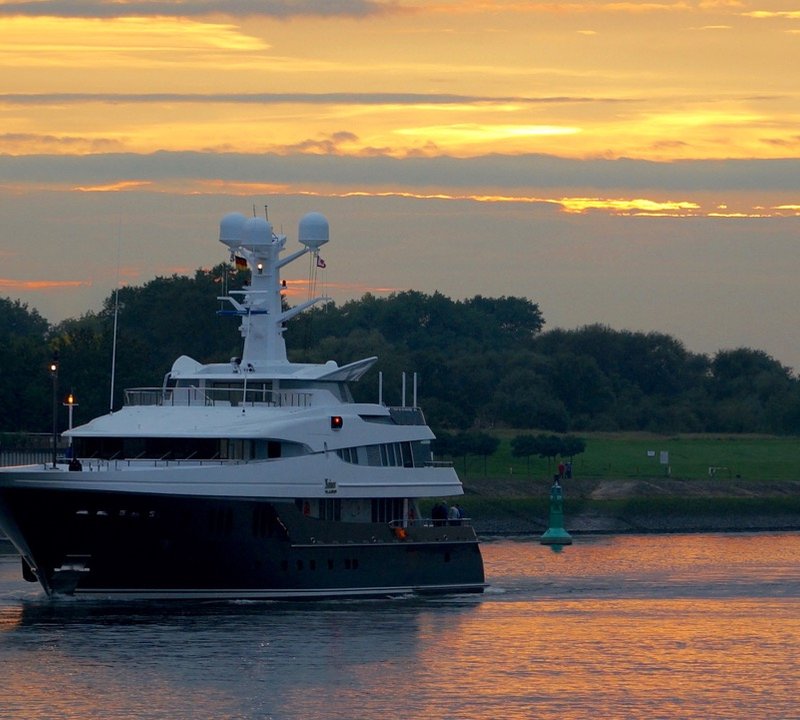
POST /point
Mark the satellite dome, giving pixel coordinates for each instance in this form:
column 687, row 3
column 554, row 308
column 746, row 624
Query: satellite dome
column 257, row 232
column 231, row 229
column 313, row 230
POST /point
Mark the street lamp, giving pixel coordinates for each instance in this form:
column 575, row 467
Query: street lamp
column 54, row 374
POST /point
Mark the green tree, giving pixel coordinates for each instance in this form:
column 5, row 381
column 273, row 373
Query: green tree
column 525, row 446
column 572, row 446
column 25, row 382
column 548, row 446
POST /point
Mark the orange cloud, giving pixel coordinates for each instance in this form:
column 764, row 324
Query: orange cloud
column 786, row 14
column 562, row 8
column 114, row 187
column 629, row 206
column 12, row 284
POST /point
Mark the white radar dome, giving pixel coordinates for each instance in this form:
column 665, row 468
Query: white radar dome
column 313, row 230
column 257, row 232
column 231, row 229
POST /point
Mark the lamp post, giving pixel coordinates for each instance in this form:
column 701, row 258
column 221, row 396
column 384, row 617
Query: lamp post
column 54, row 374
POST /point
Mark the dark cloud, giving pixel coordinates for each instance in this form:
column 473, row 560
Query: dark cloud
column 277, row 98
column 69, row 143
column 329, row 144
column 494, row 171
column 782, row 142
column 196, row 8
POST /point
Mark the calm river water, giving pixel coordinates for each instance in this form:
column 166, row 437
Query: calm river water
column 645, row 627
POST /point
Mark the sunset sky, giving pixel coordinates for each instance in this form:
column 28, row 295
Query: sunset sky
column 635, row 164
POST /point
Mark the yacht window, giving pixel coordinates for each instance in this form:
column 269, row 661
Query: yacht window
column 405, row 451
column 373, row 455
column 387, row 509
column 355, row 455
column 330, row 509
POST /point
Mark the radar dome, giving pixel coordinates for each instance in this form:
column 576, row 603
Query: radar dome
column 257, row 232
column 231, row 229
column 313, row 230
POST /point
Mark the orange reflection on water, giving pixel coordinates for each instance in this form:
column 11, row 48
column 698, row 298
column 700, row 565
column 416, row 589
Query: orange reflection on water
column 659, row 658
column 628, row 627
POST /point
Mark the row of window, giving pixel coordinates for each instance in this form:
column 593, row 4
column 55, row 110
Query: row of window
column 300, row 565
column 265, row 520
column 398, row 454
column 132, row 448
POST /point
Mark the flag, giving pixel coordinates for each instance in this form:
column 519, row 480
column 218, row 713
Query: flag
column 240, row 262
column 320, row 262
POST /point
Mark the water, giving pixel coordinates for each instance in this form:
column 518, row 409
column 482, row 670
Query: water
column 693, row 626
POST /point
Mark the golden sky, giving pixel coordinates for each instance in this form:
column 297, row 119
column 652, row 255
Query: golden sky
column 682, row 110
column 657, row 81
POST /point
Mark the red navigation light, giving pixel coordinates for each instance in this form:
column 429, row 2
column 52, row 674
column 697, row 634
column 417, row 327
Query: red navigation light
column 336, row 422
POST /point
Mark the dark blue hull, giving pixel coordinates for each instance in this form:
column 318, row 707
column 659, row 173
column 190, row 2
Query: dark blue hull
column 108, row 544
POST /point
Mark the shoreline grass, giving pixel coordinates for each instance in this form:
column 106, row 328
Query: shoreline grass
column 639, row 456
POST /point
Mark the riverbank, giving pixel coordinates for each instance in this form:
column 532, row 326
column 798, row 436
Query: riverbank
column 652, row 505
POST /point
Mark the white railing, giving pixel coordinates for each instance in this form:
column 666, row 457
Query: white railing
column 225, row 397
column 105, row 465
column 429, row 522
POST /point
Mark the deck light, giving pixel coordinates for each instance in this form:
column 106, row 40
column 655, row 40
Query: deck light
column 70, row 404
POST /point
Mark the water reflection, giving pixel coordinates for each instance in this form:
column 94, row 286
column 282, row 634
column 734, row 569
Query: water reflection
column 655, row 627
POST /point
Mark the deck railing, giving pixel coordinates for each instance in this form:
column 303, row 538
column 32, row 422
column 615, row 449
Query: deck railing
column 225, row 397
column 12, row 458
column 429, row 522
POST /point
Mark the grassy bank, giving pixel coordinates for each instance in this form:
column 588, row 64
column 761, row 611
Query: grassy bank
column 639, row 455
column 620, row 484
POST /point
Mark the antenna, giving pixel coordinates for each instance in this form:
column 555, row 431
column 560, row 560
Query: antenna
column 114, row 350
column 114, row 342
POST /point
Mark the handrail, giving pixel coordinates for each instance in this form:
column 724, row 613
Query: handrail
column 217, row 396
column 107, row 464
column 428, row 522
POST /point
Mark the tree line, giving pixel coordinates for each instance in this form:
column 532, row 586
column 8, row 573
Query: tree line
column 482, row 363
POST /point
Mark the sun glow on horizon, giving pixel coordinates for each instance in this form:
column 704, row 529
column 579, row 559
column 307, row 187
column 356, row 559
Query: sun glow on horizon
column 712, row 206
column 41, row 285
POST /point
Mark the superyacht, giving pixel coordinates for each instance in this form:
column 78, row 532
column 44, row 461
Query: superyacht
column 255, row 478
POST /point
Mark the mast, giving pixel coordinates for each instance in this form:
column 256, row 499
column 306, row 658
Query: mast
column 259, row 306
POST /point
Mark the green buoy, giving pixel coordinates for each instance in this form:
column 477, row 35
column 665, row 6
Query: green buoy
column 555, row 534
